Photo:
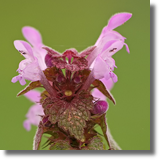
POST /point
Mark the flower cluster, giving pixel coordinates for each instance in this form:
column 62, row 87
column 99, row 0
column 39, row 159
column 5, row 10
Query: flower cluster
column 76, row 86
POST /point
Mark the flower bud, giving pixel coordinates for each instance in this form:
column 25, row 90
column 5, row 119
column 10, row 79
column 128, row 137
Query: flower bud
column 46, row 122
column 77, row 79
column 60, row 78
column 100, row 107
column 48, row 60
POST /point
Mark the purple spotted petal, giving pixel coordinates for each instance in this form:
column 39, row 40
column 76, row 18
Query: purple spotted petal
column 32, row 36
column 108, row 45
column 103, row 70
column 104, row 42
column 114, row 77
column 111, row 62
column 115, row 46
column 20, row 79
column 24, row 48
column 15, row 79
column 108, row 36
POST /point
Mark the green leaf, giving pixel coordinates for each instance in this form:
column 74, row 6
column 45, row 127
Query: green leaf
column 95, row 143
column 31, row 86
column 71, row 116
column 103, row 126
column 106, row 132
column 73, row 119
column 54, row 110
column 61, row 145
column 100, row 86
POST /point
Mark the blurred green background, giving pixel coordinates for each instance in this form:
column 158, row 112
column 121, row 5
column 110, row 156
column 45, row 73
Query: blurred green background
column 77, row 24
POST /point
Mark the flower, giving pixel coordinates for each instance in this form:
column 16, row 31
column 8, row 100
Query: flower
column 100, row 107
column 34, row 38
column 28, row 68
column 35, row 112
column 108, row 43
column 35, row 57
column 66, row 106
column 101, row 97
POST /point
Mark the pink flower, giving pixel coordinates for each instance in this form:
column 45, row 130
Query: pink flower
column 102, row 69
column 100, row 107
column 30, row 67
column 108, row 43
column 34, row 38
column 35, row 112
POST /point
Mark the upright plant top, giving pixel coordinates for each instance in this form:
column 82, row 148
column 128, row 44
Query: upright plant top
column 70, row 107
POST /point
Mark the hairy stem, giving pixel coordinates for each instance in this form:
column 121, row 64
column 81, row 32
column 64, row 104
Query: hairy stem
column 46, row 85
column 92, row 56
column 112, row 143
column 88, row 82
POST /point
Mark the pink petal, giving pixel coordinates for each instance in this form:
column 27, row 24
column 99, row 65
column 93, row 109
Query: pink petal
column 15, row 79
column 114, row 77
column 27, row 125
column 108, row 36
column 100, row 68
column 105, row 41
column 109, row 44
column 32, row 35
column 32, row 71
column 107, row 75
column 96, row 93
column 108, row 83
column 112, row 49
column 127, row 48
column 111, row 62
column 20, row 79
column 40, row 54
column 23, row 64
column 117, row 20
column 25, row 47
column 34, row 114
column 33, row 96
